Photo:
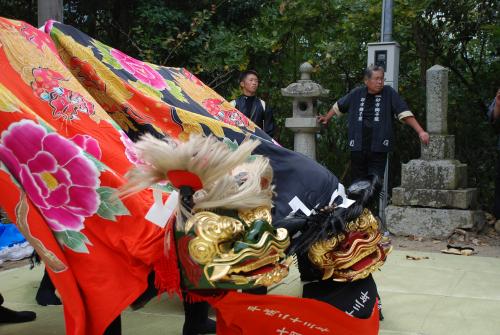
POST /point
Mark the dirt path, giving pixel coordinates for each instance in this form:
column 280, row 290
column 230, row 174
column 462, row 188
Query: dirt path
column 486, row 244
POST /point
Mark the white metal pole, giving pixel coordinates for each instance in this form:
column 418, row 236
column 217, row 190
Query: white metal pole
column 385, row 36
column 386, row 33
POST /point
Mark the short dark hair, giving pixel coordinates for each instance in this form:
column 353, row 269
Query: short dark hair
column 367, row 74
column 244, row 74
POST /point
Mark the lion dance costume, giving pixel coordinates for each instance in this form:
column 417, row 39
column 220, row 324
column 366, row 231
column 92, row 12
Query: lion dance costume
column 208, row 204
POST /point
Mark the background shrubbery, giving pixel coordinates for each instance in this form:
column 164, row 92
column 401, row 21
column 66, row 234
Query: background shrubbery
column 217, row 39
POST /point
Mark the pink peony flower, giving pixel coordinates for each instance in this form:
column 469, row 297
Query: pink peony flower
column 139, row 70
column 54, row 173
column 88, row 144
column 130, row 151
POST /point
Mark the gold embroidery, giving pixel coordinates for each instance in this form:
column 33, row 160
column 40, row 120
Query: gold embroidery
column 192, row 123
column 10, row 103
column 48, row 257
column 24, row 56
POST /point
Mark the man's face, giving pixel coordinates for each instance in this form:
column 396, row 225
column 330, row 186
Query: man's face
column 375, row 84
column 250, row 84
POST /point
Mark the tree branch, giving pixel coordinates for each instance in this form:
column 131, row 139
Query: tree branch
column 117, row 26
column 223, row 78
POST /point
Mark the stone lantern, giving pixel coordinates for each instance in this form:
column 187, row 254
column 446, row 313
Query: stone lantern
column 303, row 123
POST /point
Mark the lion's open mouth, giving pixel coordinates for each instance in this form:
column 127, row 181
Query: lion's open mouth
column 354, row 254
column 262, row 263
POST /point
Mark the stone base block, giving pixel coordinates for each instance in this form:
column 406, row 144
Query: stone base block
column 462, row 198
column 438, row 175
column 430, row 222
column 497, row 226
column 440, row 147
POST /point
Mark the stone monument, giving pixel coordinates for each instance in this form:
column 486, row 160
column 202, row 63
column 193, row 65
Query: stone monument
column 433, row 199
column 303, row 123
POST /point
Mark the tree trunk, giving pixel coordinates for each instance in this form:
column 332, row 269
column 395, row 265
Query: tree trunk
column 50, row 9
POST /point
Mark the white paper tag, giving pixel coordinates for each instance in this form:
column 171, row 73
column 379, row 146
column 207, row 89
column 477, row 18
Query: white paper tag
column 297, row 204
column 160, row 213
column 346, row 202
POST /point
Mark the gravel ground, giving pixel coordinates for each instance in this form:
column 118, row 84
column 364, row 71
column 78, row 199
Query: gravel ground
column 485, row 244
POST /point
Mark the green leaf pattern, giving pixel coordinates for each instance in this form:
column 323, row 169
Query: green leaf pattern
column 146, row 89
column 104, row 50
column 176, row 91
column 73, row 240
column 111, row 206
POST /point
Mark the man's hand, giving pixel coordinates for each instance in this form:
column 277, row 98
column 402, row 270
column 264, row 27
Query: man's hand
column 324, row 119
column 424, row 137
column 422, row 134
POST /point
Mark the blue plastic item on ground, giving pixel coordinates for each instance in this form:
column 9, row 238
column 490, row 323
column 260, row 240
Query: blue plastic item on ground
column 10, row 235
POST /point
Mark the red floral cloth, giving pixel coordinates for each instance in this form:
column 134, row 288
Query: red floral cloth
column 62, row 160
column 68, row 115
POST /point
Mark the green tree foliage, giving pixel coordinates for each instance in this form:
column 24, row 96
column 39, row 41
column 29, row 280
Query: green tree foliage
column 217, row 39
column 25, row 10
